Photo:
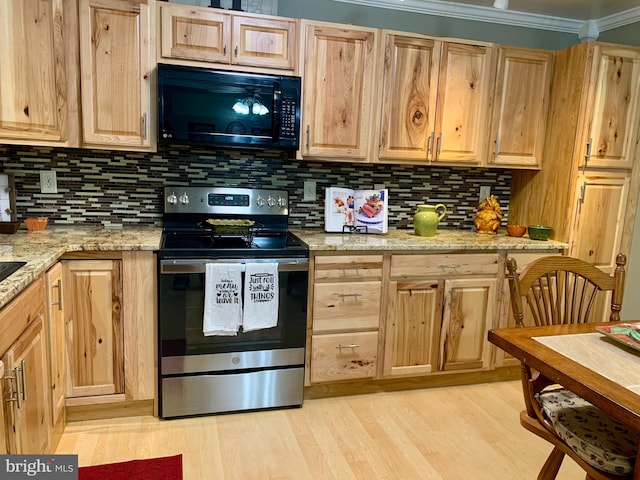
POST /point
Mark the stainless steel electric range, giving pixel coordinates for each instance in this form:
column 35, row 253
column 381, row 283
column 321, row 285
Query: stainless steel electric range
column 202, row 374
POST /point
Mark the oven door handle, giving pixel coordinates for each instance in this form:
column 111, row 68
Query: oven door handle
column 198, row 266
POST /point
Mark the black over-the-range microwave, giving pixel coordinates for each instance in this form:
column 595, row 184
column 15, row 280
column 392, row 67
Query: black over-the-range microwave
column 229, row 109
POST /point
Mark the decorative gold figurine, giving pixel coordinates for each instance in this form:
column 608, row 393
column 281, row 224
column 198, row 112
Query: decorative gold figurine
column 488, row 217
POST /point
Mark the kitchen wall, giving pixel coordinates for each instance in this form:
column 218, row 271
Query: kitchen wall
column 125, row 188
column 332, row 11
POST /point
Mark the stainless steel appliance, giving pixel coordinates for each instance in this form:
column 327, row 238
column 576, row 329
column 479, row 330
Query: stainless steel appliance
column 231, row 109
column 258, row 369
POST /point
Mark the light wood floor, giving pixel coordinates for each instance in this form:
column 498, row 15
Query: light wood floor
column 467, row 432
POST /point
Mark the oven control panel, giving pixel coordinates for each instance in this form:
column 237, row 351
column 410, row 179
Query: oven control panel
column 226, row 200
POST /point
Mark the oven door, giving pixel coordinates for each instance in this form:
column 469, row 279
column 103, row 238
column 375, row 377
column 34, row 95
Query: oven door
column 181, row 307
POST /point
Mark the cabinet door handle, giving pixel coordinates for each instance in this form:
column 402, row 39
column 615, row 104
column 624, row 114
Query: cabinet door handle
column 17, row 394
column 439, row 144
column 430, row 145
column 23, row 370
column 59, row 287
column 587, row 157
column 350, row 345
column 308, row 136
column 235, row 51
column 144, row 126
column 224, row 49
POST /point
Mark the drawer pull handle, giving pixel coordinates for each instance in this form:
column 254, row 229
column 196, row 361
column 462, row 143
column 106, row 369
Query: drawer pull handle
column 351, row 345
column 355, row 295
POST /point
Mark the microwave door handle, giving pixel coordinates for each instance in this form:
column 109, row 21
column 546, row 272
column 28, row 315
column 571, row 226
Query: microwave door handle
column 277, row 108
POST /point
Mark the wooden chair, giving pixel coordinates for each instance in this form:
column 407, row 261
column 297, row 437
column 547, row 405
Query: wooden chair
column 563, row 290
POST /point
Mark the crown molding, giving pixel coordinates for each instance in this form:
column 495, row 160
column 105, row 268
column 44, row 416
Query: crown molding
column 619, row 19
column 505, row 17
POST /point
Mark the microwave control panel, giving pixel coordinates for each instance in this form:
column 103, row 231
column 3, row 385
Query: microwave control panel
column 288, row 118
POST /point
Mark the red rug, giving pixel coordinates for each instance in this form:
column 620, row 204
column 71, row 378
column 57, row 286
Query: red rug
column 163, row 468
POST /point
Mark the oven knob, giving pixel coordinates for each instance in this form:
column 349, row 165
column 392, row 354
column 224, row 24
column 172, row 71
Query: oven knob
column 260, row 201
column 282, row 202
column 271, row 202
column 235, row 360
column 184, row 199
column 172, row 199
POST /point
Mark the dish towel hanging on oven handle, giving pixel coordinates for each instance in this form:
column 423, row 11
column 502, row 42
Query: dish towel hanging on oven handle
column 222, row 299
column 260, row 296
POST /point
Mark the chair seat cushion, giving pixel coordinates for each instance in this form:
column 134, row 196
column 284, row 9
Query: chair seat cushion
column 597, row 437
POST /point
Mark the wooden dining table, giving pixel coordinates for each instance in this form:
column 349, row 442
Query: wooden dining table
column 601, row 370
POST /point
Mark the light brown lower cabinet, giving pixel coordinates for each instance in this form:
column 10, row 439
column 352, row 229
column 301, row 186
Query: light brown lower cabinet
column 94, row 326
column 346, row 307
column 25, row 387
column 440, row 307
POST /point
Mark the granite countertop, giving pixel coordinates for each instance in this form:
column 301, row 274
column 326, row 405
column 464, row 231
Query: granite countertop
column 42, row 249
column 318, row 240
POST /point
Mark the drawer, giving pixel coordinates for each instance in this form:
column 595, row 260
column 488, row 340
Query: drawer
column 20, row 312
column 437, row 265
column 343, row 356
column 353, row 267
column 346, row 306
column 524, row 259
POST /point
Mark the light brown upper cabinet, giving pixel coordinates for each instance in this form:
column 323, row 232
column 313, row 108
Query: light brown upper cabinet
column 211, row 35
column 613, row 103
column 33, row 94
column 435, row 100
column 116, row 62
column 520, row 107
column 338, row 91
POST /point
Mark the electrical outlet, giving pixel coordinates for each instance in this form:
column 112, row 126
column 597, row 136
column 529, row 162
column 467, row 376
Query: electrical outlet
column 485, row 192
column 309, row 191
column 48, row 182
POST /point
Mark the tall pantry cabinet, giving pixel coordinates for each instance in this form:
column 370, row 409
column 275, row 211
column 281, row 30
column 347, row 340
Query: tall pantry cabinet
column 587, row 188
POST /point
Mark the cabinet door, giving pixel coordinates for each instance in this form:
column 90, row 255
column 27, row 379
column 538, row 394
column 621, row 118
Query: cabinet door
column 520, row 105
column 93, row 313
column 616, row 97
column 409, row 96
column 29, row 415
column 188, row 33
column 338, row 91
column 264, row 42
column 597, row 228
column 468, row 311
column 32, row 72
column 413, row 327
column 115, row 63
column 56, row 340
column 462, row 111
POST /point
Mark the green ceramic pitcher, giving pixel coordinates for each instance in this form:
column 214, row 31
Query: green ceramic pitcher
column 426, row 219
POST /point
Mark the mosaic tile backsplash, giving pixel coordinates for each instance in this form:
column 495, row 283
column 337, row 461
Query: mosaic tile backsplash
column 124, row 188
